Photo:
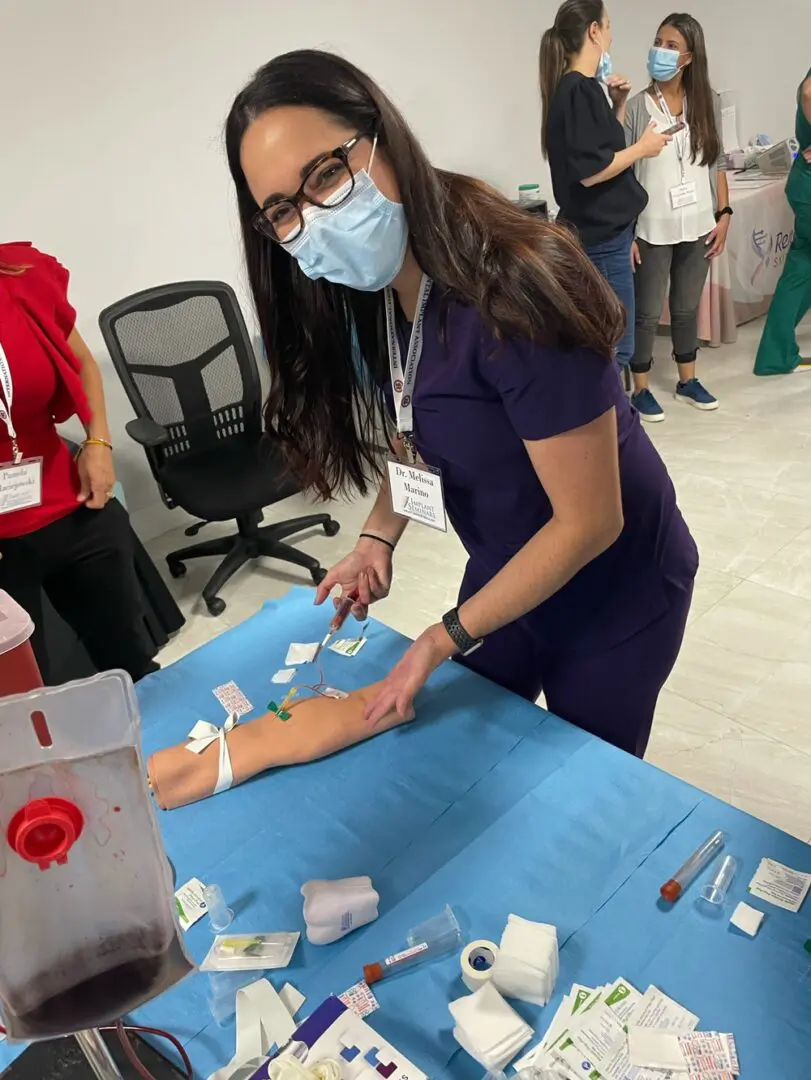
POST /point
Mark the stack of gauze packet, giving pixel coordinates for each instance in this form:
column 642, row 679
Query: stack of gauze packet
column 526, row 967
column 489, row 1029
column 617, row 1033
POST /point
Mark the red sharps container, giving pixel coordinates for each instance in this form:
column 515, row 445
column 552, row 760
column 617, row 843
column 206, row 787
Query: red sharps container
column 19, row 672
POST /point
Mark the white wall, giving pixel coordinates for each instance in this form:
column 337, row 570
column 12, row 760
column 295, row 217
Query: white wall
column 111, row 116
column 759, row 47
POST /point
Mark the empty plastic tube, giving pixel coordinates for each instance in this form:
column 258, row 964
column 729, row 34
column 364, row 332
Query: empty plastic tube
column 715, row 891
column 220, row 916
column 441, row 931
column 685, row 875
column 437, row 936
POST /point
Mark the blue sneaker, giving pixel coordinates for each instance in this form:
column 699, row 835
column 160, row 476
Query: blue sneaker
column 647, row 406
column 693, row 393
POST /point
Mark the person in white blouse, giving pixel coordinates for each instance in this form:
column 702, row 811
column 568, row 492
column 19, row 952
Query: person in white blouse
column 686, row 220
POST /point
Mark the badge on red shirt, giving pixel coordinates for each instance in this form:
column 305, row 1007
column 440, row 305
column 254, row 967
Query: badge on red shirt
column 21, row 478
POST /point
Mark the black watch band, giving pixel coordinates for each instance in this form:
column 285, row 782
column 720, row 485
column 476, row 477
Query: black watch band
column 460, row 637
column 724, row 210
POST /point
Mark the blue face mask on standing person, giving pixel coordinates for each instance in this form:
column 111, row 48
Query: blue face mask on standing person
column 663, row 64
column 605, row 67
column 360, row 243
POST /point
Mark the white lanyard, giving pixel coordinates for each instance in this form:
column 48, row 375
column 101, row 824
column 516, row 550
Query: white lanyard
column 6, row 399
column 680, row 145
column 403, row 378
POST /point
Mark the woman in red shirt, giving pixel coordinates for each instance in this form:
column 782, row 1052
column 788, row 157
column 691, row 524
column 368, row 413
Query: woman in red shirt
column 60, row 529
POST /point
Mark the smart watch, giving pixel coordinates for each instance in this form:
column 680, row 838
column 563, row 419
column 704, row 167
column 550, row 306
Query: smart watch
column 457, row 633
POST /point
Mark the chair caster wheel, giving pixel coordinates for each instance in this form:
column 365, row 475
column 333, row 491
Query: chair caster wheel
column 332, row 527
column 176, row 569
column 318, row 575
column 216, row 605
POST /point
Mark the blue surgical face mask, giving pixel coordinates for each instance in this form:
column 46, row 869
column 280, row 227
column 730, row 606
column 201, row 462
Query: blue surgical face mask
column 663, row 64
column 361, row 243
column 604, row 68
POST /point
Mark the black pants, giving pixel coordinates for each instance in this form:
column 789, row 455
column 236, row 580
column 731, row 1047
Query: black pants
column 84, row 564
column 685, row 268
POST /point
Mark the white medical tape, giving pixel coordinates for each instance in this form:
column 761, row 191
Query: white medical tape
column 262, row 1020
column 203, row 734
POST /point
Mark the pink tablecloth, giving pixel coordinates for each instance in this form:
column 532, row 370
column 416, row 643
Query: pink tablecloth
column 742, row 281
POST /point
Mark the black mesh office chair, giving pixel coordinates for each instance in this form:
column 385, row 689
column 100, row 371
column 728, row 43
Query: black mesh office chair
column 186, row 362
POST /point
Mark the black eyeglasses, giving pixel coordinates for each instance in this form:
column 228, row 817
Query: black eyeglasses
column 329, row 182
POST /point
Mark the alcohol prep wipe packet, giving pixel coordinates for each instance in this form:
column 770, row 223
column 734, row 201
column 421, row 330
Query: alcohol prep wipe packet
column 780, row 885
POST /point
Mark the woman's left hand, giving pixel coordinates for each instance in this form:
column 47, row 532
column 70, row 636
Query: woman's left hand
column 403, row 683
column 618, row 87
column 96, row 476
column 807, row 155
column 716, row 241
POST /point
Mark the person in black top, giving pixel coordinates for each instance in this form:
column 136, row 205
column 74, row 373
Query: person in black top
column 583, row 139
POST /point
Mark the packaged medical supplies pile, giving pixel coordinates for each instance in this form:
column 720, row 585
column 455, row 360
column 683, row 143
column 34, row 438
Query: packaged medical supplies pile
column 524, row 967
column 614, row 1032
column 527, row 964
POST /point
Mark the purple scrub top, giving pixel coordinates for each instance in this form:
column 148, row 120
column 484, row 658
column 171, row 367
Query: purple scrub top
column 475, row 400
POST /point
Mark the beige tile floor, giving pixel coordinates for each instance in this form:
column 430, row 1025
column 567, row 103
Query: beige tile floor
column 735, row 718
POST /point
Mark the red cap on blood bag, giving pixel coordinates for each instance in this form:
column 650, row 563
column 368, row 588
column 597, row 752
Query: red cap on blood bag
column 45, row 830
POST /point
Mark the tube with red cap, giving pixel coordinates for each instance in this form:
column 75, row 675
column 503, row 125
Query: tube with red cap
column 685, row 875
column 437, row 936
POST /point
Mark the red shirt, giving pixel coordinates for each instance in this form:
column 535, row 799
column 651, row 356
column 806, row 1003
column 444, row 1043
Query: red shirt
column 36, row 320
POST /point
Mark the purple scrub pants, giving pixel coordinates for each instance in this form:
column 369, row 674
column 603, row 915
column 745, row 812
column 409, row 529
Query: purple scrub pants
column 609, row 692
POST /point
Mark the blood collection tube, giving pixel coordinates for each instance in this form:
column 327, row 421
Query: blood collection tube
column 437, row 936
column 672, row 889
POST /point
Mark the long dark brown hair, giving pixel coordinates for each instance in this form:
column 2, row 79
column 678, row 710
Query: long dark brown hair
column 563, row 40
column 705, row 140
column 326, row 344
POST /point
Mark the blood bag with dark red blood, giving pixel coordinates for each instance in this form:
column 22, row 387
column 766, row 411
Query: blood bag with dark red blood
column 88, row 926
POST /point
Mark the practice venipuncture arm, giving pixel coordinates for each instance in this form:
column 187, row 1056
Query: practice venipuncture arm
column 318, row 726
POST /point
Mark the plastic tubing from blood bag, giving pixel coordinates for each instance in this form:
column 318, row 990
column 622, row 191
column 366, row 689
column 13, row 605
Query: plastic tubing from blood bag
column 672, row 889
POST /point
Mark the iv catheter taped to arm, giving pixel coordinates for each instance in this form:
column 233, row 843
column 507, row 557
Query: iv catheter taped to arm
column 317, row 727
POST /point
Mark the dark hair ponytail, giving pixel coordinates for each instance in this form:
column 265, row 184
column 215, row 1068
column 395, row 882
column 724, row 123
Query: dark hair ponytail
column 326, row 344
column 563, row 40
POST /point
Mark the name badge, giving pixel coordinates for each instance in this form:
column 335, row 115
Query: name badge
column 21, row 485
column 683, row 195
column 416, row 493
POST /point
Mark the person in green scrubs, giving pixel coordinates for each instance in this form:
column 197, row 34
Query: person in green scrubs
column 778, row 353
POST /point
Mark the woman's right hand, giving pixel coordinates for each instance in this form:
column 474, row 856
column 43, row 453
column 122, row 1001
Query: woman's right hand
column 652, row 142
column 367, row 569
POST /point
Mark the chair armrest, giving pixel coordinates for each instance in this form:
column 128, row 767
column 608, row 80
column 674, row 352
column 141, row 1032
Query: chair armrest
column 145, row 431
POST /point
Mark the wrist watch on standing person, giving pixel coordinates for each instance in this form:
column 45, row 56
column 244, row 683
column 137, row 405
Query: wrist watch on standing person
column 724, row 210
column 458, row 635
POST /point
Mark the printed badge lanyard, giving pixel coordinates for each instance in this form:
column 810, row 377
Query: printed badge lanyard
column 6, row 398
column 680, row 146
column 403, row 379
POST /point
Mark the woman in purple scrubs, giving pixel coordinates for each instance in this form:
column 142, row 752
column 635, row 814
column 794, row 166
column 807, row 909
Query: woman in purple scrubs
column 490, row 335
